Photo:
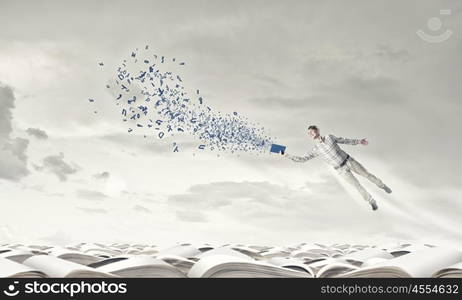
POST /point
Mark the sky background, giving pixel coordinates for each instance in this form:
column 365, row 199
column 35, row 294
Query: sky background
column 354, row 68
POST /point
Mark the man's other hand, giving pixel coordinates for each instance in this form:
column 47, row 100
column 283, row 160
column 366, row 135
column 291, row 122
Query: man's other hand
column 364, row 142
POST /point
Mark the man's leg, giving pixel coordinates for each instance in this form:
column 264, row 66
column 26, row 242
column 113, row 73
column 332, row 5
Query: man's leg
column 351, row 179
column 359, row 169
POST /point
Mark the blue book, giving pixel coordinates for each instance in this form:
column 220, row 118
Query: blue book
column 277, row 148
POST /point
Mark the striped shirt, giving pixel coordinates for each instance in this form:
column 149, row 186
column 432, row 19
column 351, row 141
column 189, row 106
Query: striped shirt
column 327, row 147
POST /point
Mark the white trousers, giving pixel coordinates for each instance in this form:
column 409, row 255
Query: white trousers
column 346, row 172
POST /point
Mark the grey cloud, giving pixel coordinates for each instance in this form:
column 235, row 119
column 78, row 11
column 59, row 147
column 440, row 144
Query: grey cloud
column 91, row 195
column 151, row 143
column 56, row 165
column 13, row 157
column 102, row 176
column 92, row 210
column 259, row 203
column 350, row 93
column 6, row 105
column 191, row 216
column 269, row 80
column 17, row 147
column 141, row 209
column 38, row 133
column 222, row 195
column 130, row 193
column 147, row 197
column 374, row 90
column 282, row 102
column 125, row 140
column 38, row 188
column 321, row 205
column 387, row 52
column 356, row 97
column 263, row 163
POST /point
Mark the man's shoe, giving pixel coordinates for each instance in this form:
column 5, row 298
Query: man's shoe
column 373, row 204
column 386, row 189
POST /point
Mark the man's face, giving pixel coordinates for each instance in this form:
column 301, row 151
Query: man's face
column 313, row 133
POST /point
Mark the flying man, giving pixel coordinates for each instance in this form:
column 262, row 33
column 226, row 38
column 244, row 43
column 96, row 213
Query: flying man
column 327, row 147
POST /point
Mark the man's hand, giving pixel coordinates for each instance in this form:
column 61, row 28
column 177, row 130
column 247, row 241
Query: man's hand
column 364, row 142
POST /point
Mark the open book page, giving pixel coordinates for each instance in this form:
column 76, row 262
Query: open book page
column 149, row 251
column 130, row 262
column 237, row 260
column 74, row 255
column 367, row 253
column 107, row 261
column 340, row 246
column 40, row 247
column 171, row 257
column 9, row 268
column 57, row 267
column 313, row 253
column 131, row 250
column 310, row 246
column 204, row 248
column 20, row 247
column 57, row 251
column 17, row 255
column 334, row 269
column 406, row 248
column 186, row 251
column 148, row 266
column 178, row 262
column 260, row 248
column 373, row 261
column 208, row 262
column 232, row 266
column 454, row 271
column 247, row 251
column 5, row 249
column 275, row 251
column 224, row 251
column 5, row 252
column 421, row 263
column 325, row 261
column 291, row 263
column 99, row 250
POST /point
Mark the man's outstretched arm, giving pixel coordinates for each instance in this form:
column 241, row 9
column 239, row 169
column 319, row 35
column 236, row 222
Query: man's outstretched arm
column 342, row 140
column 305, row 158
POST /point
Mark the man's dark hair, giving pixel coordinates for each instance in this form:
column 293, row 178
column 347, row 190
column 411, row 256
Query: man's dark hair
column 314, row 127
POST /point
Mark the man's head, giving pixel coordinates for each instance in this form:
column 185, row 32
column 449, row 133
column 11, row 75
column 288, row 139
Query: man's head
column 313, row 131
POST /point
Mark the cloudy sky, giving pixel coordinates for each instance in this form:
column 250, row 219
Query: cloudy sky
column 355, row 68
